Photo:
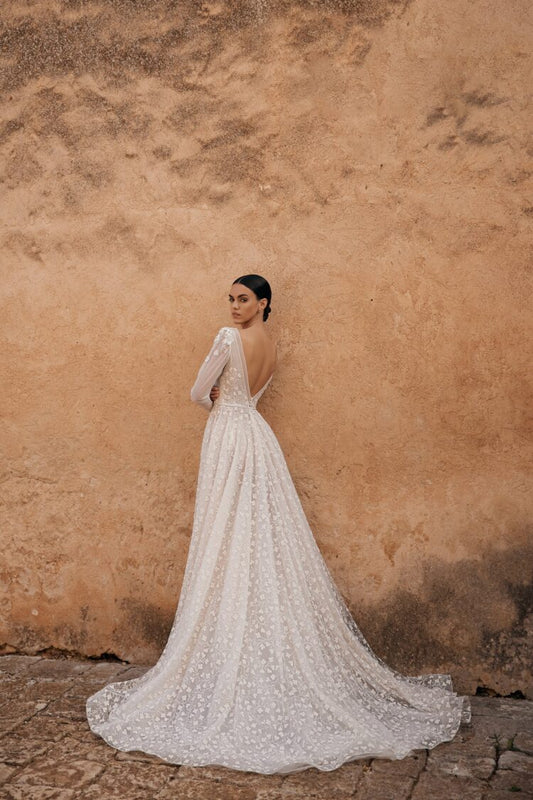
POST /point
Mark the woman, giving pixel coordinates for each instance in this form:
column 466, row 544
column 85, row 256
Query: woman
column 264, row 669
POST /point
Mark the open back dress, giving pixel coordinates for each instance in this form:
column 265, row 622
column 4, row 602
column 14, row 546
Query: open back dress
column 264, row 668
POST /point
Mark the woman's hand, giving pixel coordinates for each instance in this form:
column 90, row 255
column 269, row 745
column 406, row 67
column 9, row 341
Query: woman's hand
column 214, row 393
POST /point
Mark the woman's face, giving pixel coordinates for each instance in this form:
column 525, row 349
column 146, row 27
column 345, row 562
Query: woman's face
column 244, row 305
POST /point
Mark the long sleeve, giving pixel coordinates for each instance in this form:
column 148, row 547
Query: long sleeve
column 214, row 363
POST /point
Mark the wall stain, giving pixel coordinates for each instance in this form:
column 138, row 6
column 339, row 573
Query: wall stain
column 150, row 623
column 476, row 613
column 50, row 44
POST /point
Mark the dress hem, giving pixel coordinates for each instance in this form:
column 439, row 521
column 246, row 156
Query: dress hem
column 286, row 769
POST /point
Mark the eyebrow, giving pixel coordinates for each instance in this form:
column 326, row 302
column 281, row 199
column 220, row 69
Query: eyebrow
column 239, row 295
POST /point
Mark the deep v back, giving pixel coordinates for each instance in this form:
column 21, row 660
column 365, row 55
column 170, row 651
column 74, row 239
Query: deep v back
column 245, row 369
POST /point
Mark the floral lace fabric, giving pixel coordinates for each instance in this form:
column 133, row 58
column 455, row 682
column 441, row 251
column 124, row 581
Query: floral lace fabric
column 264, row 668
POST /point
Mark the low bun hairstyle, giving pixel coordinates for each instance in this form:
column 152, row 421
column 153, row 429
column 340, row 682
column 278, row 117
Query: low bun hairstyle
column 260, row 287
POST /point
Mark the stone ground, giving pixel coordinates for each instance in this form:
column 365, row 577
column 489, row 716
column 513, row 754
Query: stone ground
column 47, row 752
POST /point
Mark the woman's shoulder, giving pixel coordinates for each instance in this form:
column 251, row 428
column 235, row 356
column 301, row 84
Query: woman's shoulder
column 225, row 330
column 224, row 336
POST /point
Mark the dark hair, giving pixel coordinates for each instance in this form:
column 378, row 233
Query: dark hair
column 260, row 287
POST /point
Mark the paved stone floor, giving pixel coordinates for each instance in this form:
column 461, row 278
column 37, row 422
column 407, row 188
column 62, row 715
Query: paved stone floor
column 47, row 752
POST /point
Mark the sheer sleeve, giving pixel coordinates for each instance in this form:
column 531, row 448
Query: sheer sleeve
column 214, row 363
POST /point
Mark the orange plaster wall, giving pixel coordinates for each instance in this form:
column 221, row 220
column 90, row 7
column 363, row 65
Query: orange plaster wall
column 372, row 162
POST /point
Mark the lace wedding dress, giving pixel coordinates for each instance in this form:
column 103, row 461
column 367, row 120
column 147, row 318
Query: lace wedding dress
column 264, row 669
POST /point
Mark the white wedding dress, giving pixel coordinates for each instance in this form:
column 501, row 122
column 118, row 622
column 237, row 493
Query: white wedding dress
column 264, row 668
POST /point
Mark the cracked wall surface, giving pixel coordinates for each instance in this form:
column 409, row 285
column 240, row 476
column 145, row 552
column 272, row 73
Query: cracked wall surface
column 372, row 159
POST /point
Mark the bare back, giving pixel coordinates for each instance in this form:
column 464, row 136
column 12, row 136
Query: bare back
column 260, row 354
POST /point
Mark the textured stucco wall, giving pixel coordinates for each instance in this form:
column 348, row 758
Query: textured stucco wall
column 371, row 159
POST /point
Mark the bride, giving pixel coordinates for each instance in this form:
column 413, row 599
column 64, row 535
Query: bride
column 264, row 669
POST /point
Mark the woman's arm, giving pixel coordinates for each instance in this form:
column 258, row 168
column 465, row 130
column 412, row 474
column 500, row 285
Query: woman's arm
column 214, row 363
